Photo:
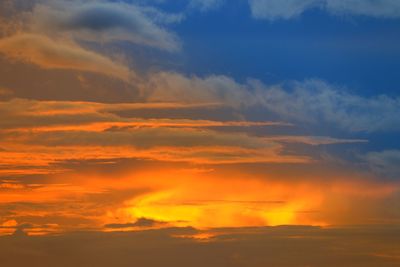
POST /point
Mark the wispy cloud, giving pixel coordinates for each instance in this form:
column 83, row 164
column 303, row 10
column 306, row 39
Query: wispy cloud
column 52, row 54
column 385, row 163
column 206, row 5
column 277, row 9
column 311, row 101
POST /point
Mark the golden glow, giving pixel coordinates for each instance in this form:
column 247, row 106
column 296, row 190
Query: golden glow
column 184, row 172
column 198, row 199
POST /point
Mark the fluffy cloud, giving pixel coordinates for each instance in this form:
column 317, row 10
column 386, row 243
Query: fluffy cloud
column 51, row 34
column 278, row 9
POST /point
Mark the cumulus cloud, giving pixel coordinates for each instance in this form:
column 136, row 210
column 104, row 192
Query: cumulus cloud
column 51, row 54
column 287, row 9
column 106, row 22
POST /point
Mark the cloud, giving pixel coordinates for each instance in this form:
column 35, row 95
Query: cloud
column 106, row 22
column 174, row 87
column 141, row 222
column 278, row 9
column 385, row 163
column 371, row 8
column 32, row 115
column 38, row 126
column 206, row 5
column 287, row 9
column 51, row 54
column 314, row 140
column 316, row 102
column 313, row 102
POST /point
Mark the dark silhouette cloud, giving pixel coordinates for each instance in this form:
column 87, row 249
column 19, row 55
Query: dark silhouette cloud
column 141, row 222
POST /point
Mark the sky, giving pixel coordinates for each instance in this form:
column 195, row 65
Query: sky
column 199, row 128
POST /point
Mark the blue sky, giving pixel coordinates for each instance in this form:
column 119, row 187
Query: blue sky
column 358, row 53
column 361, row 53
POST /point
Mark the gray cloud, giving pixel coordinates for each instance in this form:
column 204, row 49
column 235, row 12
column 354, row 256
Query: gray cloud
column 313, row 102
column 385, row 163
column 141, row 222
column 103, row 21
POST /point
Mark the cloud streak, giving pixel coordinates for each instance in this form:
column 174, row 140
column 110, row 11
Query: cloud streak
column 51, row 54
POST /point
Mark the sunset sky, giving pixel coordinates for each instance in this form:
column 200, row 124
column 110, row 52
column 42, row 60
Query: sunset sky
column 231, row 131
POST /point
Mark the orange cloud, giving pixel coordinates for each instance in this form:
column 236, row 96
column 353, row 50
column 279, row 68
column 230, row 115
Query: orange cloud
column 61, row 54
